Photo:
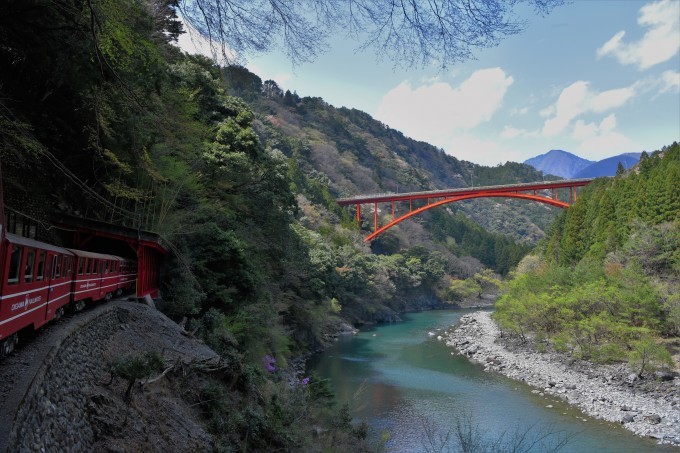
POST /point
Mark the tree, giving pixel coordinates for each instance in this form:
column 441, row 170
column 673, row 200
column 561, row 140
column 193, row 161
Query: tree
column 647, row 355
column 619, row 169
column 416, row 32
column 462, row 289
column 487, row 281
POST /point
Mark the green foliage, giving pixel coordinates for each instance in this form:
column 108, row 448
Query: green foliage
column 462, row 289
column 583, row 310
column 610, row 281
column 647, row 356
column 606, row 214
column 135, row 367
column 498, row 252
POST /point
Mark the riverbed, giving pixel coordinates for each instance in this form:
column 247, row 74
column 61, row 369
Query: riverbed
column 406, row 383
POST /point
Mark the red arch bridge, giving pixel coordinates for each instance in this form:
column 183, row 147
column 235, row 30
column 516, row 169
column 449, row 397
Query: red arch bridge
column 543, row 191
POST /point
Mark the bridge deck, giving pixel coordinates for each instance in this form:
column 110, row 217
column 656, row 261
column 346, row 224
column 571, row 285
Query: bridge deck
column 542, row 185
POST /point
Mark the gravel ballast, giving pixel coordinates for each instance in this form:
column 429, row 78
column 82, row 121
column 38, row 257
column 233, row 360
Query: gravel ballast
column 649, row 407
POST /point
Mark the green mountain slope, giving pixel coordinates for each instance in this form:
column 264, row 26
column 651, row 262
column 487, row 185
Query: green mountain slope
column 605, row 283
column 359, row 154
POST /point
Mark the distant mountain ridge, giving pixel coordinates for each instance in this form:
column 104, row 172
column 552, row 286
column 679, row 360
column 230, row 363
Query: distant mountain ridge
column 567, row 165
column 559, row 163
column 608, row 166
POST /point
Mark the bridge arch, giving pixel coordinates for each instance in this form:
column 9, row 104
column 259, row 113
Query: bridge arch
column 412, row 213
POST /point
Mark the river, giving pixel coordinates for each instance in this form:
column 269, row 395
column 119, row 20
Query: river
column 401, row 380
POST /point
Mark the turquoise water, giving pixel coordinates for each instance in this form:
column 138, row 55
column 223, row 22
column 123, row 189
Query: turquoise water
column 401, row 380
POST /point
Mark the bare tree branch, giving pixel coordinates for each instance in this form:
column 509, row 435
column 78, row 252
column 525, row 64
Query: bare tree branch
column 408, row 32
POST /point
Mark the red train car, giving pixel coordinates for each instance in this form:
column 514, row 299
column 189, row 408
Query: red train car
column 38, row 280
column 97, row 277
column 35, row 285
column 127, row 277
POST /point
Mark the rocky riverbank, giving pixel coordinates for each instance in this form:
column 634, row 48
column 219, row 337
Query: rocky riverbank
column 648, row 407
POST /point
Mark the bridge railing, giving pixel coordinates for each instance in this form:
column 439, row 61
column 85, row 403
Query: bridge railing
column 401, row 196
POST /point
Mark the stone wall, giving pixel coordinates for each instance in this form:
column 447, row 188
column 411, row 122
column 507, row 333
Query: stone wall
column 51, row 415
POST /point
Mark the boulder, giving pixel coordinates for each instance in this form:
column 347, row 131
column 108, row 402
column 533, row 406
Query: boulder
column 665, row 375
column 628, row 418
column 653, row 419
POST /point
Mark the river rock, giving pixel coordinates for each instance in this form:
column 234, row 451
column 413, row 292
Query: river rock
column 653, row 419
column 610, row 392
column 665, row 375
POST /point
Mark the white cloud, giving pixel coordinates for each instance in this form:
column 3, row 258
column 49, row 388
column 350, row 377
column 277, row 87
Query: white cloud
column 578, row 99
column 610, row 99
column 601, row 140
column 548, row 111
column 466, row 147
column 608, row 144
column 583, row 131
column 510, row 132
column 519, row 111
column 435, row 110
column 670, row 81
column 192, row 42
column 608, row 124
column 586, row 131
column 660, row 43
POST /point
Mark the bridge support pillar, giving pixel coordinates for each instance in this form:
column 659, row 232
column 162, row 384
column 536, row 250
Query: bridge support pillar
column 359, row 215
column 375, row 216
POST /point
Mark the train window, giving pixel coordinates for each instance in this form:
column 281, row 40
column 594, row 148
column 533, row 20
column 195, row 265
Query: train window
column 106, row 266
column 15, row 261
column 81, row 265
column 71, row 262
column 40, row 270
column 19, row 226
column 56, row 266
column 30, row 262
column 66, row 267
column 93, row 268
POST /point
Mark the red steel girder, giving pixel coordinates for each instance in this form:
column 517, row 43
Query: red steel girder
column 452, row 195
column 550, row 201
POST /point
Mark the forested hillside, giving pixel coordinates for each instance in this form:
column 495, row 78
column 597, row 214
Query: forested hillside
column 102, row 117
column 605, row 282
column 358, row 154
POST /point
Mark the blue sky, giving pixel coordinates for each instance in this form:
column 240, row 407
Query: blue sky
column 596, row 78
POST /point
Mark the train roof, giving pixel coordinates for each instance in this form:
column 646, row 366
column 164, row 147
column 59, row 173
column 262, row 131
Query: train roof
column 95, row 255
column 20, row 240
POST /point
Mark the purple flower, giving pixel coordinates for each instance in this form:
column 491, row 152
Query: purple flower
column 305, row 381
column 269, row 362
